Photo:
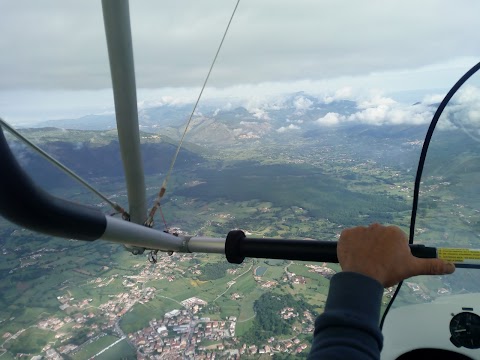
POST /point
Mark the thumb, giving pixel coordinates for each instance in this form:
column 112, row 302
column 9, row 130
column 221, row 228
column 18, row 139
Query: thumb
column 432, row 267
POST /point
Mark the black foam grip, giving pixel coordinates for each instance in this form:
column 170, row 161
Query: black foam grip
column 26, row 205
column 233, row 246
column 238, row 247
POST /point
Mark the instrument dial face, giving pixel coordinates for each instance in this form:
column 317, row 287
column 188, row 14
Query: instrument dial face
column 465, row 330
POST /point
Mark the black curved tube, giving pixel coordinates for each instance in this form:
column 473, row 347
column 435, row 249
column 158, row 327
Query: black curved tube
column 421, row 163
column 426, row 144
column 24, row 204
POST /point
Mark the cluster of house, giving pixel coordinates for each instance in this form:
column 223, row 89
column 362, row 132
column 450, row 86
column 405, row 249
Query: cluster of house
column 291, row 346
column 236, row 296
column 323, row 270
column 69, row 305
column 54, row 323
column 269, row 284
column 193, row 303
column 181, row 332
column 288, row 313
column 121, row 303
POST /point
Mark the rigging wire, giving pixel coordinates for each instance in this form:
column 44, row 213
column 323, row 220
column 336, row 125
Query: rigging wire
column 65, row 169
column 163, row 217
column 163, row 189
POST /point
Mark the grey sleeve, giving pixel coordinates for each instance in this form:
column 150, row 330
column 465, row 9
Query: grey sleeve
column 349, row 326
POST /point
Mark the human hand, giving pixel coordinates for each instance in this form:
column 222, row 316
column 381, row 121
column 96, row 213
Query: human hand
column 382, row 253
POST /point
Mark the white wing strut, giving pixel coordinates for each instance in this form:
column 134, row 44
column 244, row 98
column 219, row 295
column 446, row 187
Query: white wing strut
column 120, row 52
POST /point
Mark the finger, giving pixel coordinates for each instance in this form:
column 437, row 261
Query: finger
column 348, row 231
column 396, row 230
column 345, row 232
column 431, row 267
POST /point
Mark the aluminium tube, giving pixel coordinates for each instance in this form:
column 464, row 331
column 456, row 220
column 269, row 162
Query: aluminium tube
column 141, row 236
column 205, row 245
column 127, row 233
column 116, row 18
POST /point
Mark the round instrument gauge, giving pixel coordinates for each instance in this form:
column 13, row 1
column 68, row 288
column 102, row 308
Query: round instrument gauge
column 465, row 330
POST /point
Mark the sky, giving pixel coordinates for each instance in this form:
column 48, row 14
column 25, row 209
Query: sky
column 54, row 61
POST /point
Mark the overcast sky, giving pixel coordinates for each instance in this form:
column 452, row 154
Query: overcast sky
column 54, row 61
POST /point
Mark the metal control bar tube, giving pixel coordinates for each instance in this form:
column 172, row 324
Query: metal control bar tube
column 203, row 244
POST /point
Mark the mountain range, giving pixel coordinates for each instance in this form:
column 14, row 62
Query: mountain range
column 89, row 145
column 291, row 118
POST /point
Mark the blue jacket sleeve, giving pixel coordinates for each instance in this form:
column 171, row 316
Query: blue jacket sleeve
column 349, row 326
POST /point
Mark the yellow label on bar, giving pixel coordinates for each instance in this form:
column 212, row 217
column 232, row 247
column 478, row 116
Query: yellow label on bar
column 457, row 254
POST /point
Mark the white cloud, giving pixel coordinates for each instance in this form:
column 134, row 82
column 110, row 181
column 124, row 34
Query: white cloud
column 174, row 41
column 23, row 107
column 343, row 93
column 330, row 119
column 463, row 112
column 433, row 99
column 287, row 128
column 376, row 101
column 468, row 94
column 373, row 106
column 166, row 100
column 381, row 110
column 301, row 103
column 260, row 114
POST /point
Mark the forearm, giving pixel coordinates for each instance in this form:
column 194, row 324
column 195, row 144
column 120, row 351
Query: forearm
column 348, row 329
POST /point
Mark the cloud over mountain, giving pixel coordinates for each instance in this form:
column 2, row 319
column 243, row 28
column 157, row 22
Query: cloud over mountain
column 463, row 112
column 380, row 110
column 302, row 103
column 288, row 128
column 330, row 119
